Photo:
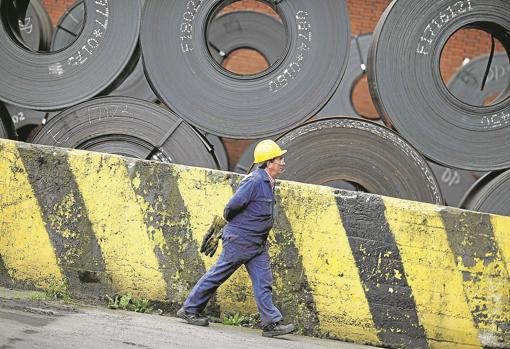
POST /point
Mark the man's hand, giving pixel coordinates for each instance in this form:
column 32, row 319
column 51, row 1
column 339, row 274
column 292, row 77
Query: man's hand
column 212, row 237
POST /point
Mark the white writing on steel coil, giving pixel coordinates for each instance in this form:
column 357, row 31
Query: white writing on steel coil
column 18, row 117
column 304, row 39
column 87, row 50
column 98, row 113
column 431, row 30
column 186, row 26
column 26, row 26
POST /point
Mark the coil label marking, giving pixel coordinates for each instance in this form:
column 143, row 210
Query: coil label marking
column 106, row 112
column 20, row 116
column 496, row 73
column 186, row 27
column 435, row 25
column 496, row 120
column 451, row 177
column 55, row 137
column 304, row 40
column 26, row 26
column 92, row 43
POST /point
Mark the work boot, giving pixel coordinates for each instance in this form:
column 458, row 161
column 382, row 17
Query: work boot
column 276, row 329
column 192, row 318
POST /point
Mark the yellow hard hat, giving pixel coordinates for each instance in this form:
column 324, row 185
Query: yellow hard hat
column 267, row 150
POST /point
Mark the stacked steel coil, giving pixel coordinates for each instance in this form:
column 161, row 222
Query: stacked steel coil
column 158, row 89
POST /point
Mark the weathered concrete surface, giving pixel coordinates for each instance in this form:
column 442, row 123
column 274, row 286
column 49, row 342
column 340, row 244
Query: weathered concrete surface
column 352, row 266
column 29, row 324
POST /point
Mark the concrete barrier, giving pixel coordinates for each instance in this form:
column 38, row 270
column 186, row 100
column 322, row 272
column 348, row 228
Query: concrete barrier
column 353, row 266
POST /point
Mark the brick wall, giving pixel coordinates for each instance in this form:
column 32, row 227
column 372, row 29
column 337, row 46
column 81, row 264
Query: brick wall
column 245, row 62
column 56, row 8
column 364, row 16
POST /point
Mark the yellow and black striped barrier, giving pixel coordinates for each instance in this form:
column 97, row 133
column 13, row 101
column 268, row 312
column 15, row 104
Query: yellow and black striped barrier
column 353, row 266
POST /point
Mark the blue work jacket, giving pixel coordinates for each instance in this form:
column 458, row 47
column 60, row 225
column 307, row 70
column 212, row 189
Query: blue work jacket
column 249, row 212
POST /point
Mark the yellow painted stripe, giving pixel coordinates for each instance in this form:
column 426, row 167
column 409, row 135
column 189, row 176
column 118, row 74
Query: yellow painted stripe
column 432, row 273
column 118, row 224
column 25, row 245
column 501, row 229
column 205, row 197
column 486, row 281
column 342, row 308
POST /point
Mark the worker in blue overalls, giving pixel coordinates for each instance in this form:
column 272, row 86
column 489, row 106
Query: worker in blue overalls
column 249, row 214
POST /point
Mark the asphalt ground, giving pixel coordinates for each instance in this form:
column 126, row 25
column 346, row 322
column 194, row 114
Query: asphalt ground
column 26, row 321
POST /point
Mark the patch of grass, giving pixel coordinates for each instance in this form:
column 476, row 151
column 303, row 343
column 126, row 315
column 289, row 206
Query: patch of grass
column 128, row 302
column 39, row 296
column 58, row 292
column 52, row 293
column 235, row 319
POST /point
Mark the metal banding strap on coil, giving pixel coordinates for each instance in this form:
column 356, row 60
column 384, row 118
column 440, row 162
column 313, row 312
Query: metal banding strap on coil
column 465, row 83
column 341, row 104
column 214, row 144
column 182, row 71
column 134, row 85
column 406, row 85
column 60, row 79
column 129, row 127
column 6, row 125
column 246, row 29
column 490, row 194
column 363, row 153
column 219, row 151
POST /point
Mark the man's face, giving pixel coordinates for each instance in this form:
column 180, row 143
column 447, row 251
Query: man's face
column 277, row 166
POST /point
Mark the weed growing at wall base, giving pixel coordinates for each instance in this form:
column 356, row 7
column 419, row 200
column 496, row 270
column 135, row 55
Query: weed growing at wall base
column 128, row 302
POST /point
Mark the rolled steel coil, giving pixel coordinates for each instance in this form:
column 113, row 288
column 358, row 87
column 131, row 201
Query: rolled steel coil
column 60, row 79
column 362, row 154
column 185, row 76
column 128, row 127
column 246, row 29
column 466, row 83
column 406, row 85
column 490, row 194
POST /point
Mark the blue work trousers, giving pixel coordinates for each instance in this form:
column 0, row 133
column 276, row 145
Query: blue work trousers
column 236, row 252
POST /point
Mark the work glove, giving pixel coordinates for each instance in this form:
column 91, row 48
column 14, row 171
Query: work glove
column 213, row 236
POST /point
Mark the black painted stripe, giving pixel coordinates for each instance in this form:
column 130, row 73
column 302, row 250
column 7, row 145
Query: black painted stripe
column 179, row 261
column 66, row 220
column 472, row 239
column 381, row 271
